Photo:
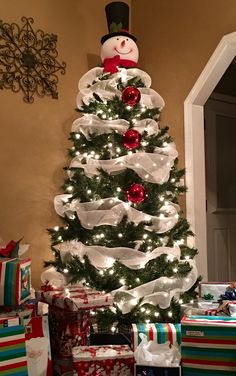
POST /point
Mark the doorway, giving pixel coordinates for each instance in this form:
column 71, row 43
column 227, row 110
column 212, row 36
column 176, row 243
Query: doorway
column 220, row 167
column 195, row 150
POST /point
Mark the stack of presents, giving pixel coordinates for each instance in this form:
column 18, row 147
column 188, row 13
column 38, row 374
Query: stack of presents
column 62, row 342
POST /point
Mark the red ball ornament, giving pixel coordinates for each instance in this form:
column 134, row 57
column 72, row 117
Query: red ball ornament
column 136, row 193
column 130, row 96
column 131, row 139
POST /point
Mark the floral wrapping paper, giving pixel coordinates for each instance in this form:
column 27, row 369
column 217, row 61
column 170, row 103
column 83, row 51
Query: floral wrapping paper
column 111, row 360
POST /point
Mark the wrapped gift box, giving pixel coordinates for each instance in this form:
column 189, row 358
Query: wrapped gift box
column 38, row 348
column 69, row 318
column 159, row 333
column 157, row 371
column 67, row 330
column 74, row 298
column 13, row 360
column 15, row 281
column 115, row 360
column 216, row 289
column 208, row 346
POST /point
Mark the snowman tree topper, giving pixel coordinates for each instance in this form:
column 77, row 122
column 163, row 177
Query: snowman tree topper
column 118, row 46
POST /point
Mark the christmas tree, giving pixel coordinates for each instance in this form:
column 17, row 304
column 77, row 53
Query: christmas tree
column 123, row 230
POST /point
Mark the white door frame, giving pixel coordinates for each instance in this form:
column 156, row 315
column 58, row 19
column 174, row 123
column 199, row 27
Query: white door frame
column 194, row 144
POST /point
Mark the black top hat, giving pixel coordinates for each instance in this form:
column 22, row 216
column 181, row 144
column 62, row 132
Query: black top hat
column 117, row 14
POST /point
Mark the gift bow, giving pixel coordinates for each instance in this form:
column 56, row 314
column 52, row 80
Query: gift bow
column 111, row 64
column 6, row 252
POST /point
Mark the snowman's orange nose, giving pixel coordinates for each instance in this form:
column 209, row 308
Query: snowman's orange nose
column 123, row 43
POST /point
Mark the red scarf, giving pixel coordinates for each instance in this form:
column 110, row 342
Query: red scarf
column 111, row 64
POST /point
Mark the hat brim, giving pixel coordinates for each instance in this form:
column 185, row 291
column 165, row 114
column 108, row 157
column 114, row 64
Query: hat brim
column 122, row 33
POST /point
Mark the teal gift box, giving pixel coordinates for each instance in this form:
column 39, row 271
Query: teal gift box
column 15, row 281
column 208, row 346
column 13, row 360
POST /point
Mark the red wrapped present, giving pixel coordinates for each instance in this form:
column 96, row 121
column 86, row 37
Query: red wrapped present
column 68, row 329
column 69, row 316
column 115, row 360
column 15, row 281
column 74, row 298
column 38, row 348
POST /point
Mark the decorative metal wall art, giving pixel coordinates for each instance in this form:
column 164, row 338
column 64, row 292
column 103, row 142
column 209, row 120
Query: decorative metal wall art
column 28, row 60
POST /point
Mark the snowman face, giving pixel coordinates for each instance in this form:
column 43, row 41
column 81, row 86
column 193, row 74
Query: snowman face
column 123, row 46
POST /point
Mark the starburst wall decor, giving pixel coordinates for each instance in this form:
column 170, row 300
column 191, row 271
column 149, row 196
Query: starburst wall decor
column 28, row 60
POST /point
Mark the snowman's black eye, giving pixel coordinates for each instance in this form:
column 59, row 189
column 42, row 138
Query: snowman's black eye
column 127, row 39
column 117, row 38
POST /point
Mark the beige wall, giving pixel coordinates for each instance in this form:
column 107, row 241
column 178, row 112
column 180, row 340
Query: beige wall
column 176, row 39
column 33, row 141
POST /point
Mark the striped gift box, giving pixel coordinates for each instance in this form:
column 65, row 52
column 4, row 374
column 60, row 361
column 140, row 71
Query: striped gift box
column 15, row 276
column 158, row 332
column 208, row 346
column 13, row 361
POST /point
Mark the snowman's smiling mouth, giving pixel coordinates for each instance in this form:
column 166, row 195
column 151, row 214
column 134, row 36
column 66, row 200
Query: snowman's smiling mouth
column 123, row 53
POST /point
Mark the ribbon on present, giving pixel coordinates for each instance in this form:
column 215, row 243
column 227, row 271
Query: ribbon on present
column 48, row 287
column 84, row 353
column 11, row 249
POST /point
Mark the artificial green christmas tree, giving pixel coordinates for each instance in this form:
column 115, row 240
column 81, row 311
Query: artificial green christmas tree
column 123, row 230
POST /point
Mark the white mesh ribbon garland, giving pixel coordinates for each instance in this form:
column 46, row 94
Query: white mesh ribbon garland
column 53, row 277
column 104, row 257
column 91, row 77
column 107, row 88
column 110, row 211
column 63, row 206
column 157, row 292
column 92, row 124
column 149, row 97
column 151, row 167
